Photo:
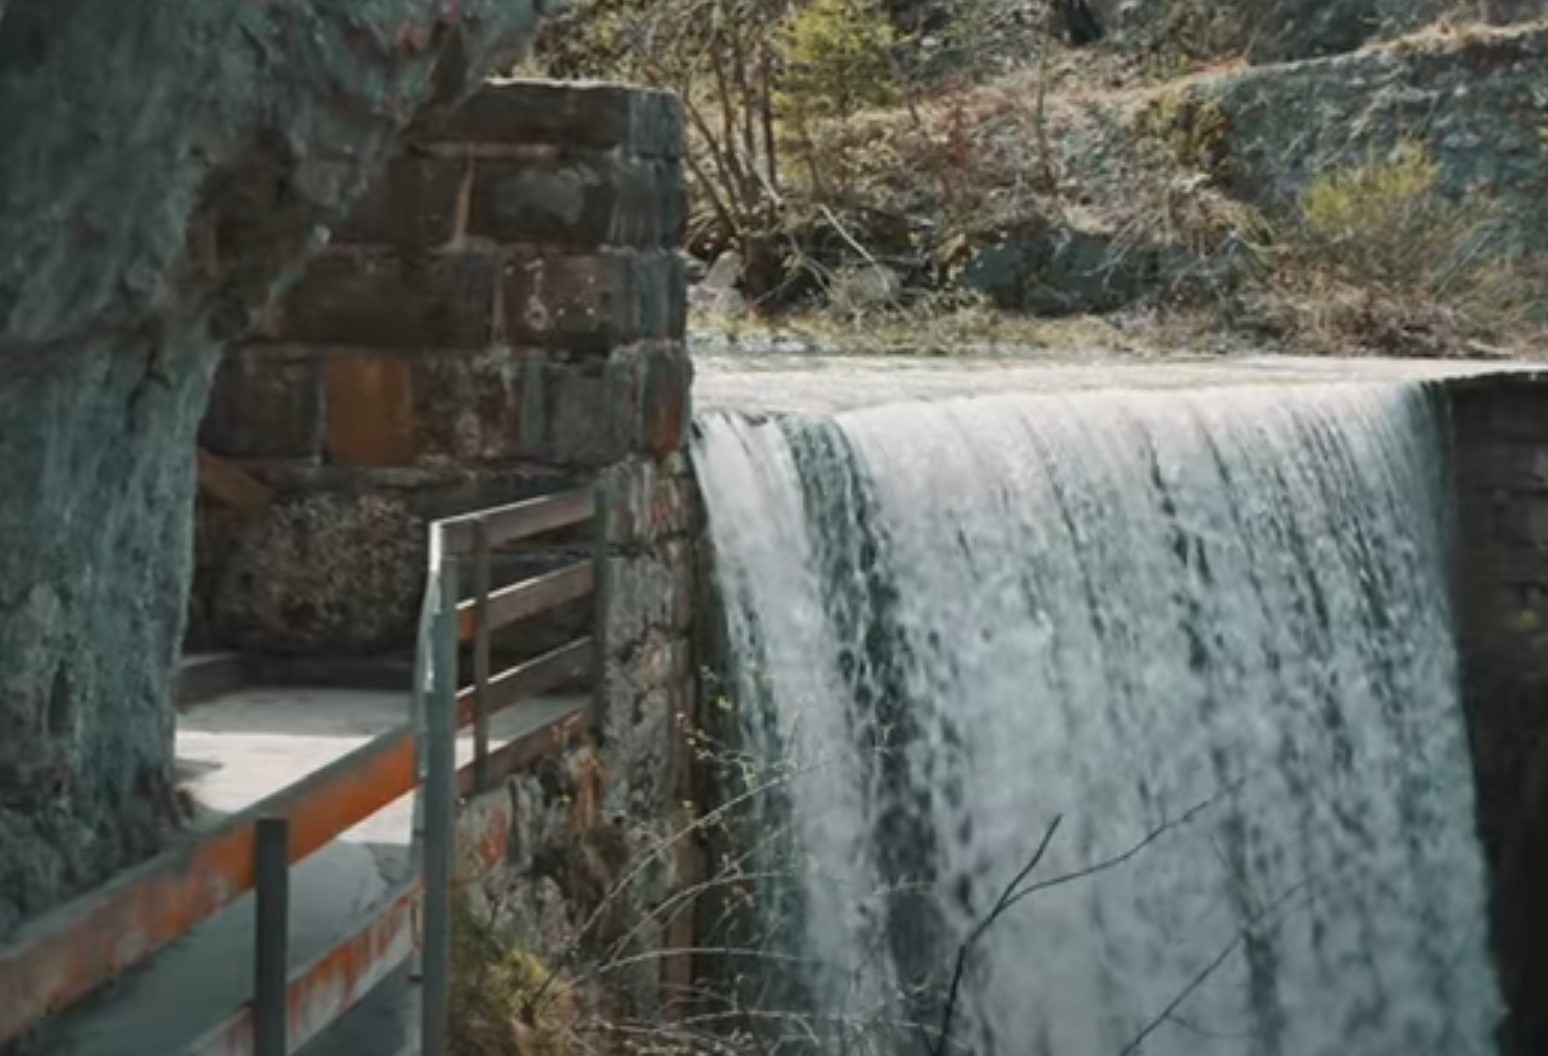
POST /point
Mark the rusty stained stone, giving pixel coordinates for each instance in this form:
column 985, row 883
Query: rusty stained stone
column 665, row 397
column 392, row 300
column 371, row 419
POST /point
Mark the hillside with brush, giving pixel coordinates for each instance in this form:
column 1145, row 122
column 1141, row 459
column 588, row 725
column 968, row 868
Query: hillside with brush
column 1352, row 176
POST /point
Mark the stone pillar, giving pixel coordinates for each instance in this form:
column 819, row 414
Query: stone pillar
column 1500, row 470
column 502, row 317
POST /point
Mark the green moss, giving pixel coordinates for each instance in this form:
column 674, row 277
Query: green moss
column 1196, row 131
column 1345, row 203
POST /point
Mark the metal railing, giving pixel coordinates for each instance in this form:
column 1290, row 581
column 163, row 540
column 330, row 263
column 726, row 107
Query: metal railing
column 56, row 961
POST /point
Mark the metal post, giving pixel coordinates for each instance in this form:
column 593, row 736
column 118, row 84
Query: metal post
column 440, row 818
column 271, row 968
column 419, row 709
column 601, row 598
column 480, row 656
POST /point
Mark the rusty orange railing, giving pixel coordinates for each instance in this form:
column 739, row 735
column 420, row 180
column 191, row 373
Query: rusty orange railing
column 77, row 949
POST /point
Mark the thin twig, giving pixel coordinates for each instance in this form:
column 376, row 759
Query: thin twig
column 943, row 1036
column 1203, row 975
column 1119, row 859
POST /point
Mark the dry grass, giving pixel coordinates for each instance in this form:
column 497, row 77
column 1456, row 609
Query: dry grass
column 1378, row 258
column 1119, row 144
column 505, row 1001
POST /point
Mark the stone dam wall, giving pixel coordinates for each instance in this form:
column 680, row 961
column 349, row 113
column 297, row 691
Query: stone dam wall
column 1499, row 439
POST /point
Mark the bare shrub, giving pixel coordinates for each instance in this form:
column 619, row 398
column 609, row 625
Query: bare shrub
column 1378, row 254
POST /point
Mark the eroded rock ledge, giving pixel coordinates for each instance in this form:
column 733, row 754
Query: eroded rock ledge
column 162, row 168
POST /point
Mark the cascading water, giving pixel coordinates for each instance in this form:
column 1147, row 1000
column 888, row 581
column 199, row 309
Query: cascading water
column 1208, row 630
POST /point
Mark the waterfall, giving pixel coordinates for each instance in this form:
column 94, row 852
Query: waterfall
column 1208, row 632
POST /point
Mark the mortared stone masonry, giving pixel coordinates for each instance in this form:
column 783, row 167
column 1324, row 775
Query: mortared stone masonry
column 501, row 317
column 1499, row 472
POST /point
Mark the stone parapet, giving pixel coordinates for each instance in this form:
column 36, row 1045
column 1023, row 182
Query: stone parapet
column 503, row 314
column 1499, row 475
column 502, row 317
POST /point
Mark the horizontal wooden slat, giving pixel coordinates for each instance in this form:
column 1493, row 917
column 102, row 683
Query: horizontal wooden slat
column 562, row 729
column 519, row 520
column 528, row 598
column 62, row 957
column 531, row 678
column 233, row 486
column 324, row 990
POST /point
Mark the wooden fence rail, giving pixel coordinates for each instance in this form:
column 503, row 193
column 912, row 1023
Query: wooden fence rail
column 73, row 951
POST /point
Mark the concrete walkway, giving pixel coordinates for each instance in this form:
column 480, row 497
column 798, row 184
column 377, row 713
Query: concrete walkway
column 235, row 751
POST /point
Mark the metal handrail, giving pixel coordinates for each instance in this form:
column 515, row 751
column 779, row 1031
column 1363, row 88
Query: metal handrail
column 70, row 952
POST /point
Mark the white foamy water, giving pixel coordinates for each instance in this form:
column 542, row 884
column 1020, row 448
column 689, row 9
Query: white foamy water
column 1208, row 628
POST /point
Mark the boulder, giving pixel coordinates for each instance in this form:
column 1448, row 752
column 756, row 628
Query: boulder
column 1062, row 269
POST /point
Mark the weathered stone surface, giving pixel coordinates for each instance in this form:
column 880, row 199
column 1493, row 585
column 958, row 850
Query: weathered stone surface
column 602, row 117
column 94, row 559
column 469, row 407
column 1523, row 520
column 649, row 501
column 413, row 205
column 1056, row 270
column 586, row 303
column 1519, row 467
column 570, row 201
column 327, row 572
column 370, row 410
column 666, row 395
column 161, row 166
column 393, row 300
column 1272, row 31
column 650, row 592
column 266, row 403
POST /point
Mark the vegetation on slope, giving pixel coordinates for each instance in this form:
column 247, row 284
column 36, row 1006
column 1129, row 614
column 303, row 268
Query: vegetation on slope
column 947, row 169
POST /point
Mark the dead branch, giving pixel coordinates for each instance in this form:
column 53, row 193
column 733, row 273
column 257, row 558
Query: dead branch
column 1004, row 902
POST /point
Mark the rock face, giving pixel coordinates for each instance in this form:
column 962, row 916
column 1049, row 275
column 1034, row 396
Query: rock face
column 1273, row 31
column 1474, row 102
column 161, row 166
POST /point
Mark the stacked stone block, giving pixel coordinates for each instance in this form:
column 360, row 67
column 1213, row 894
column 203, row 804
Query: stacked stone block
column 503, row 316
column 1500, row 476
